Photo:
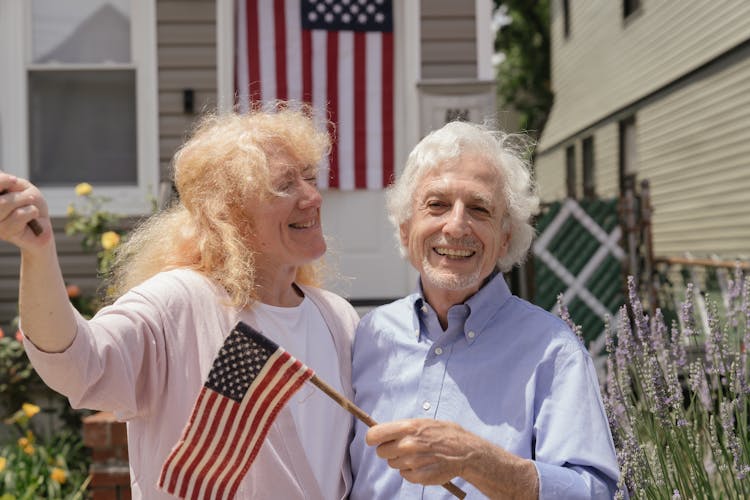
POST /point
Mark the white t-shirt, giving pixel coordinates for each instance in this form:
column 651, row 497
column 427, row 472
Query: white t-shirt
column 303, row 333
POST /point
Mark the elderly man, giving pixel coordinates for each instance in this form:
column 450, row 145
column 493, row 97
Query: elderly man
column 471, row 383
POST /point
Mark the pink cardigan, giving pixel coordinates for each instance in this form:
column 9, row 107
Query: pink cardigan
column 146, row 357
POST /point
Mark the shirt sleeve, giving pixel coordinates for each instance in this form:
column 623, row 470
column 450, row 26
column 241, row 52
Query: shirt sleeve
column 574, row 453
column 116, row 361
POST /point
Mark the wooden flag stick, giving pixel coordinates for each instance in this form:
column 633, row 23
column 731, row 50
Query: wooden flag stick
column 368, row 420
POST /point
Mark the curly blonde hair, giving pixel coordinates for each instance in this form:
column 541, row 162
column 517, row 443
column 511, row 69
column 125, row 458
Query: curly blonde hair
column 228, row 160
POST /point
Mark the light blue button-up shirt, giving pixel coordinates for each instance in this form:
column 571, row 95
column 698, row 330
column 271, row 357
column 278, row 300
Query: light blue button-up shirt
column 505, row 370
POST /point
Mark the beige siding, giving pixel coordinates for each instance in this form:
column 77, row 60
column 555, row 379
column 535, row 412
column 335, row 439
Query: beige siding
column 448, row 39
column 549, row 172
column 550, row 166
column 607, row 64
column 693, row 147
column 187, row 60
column 606, row 161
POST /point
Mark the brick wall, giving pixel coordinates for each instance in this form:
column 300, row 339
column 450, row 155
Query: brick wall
column 110, row 474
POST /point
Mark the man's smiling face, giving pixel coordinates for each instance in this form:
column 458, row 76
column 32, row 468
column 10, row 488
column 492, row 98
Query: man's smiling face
column 456, row 233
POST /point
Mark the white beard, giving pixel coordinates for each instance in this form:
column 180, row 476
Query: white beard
column 448, row 280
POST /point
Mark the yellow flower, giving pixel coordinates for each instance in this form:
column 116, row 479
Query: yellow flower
column 110, row 240
column 29, row 449
column 58, row 475
column 84, row 189
column 3, row 461
column 23, row 442
column 29, row 409
column 70, row 210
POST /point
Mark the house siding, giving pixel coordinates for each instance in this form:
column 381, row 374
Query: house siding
column 694, row 147
column 684, row 74
column 186, row 46
column 607, row 63
column 448, row 39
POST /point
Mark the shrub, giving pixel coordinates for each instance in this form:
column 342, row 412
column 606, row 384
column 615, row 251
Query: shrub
column 677, row 399
column 29, row 468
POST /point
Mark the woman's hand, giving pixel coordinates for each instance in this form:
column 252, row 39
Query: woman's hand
column 24, row 216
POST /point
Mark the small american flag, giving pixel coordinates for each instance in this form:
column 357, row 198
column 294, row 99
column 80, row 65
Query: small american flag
column 336, row 55
column 251, row 379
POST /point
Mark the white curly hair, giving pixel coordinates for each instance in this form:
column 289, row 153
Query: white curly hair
column 508, row 153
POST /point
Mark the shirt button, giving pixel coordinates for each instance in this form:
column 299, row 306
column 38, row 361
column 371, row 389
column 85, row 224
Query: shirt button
column 416, row 333
column 438, row 351
column 424, row 309
column 471, row 335
column 426, row 405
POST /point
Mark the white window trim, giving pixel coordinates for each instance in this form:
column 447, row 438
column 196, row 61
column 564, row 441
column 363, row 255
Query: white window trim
column 485, row 43
column 15, row 23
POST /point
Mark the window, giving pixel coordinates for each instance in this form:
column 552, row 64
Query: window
column 570, row 171
column 630, row 7
column 628, row 159
column 566, row 17
column 589, row 185
column 81, row 98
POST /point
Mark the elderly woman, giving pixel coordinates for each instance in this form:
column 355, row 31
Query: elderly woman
column 240, row 245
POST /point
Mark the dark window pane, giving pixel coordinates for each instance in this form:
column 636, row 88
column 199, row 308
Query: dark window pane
column 82, row 127
column 629, row 7
column 570, row 171
column 589, row 183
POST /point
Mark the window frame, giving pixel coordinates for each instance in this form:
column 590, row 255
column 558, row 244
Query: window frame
column 16, row 37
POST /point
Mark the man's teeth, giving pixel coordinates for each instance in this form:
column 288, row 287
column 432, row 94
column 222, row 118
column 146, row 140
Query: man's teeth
column 303, row 225
column 449, row 252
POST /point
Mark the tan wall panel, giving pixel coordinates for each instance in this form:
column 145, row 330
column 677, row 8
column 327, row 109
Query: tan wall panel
column 448, row 39
column 437, row 71
column 448, row 29
column 447, row 8
column 693, row 147
column 177, row 79
column 187, row 57
column 177, row 125
column 450, row 52
column 180, row 34
column 550, row 175
column 170, row 102
column 185, row 11
column 606, row 161
column 607, row 64
column 167, row 147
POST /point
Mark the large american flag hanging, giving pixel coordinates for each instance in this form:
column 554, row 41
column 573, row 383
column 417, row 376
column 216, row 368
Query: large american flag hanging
column 336, row 55
column 250, row 381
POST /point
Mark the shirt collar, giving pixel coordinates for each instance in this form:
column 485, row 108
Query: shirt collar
column 478, row 309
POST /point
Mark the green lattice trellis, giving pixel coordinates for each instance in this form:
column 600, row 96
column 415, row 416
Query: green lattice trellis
column 578, row 254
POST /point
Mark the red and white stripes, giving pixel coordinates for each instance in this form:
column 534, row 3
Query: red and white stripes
column 347, row 76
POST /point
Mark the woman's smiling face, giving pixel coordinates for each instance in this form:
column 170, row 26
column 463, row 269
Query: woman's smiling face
column 286, row 223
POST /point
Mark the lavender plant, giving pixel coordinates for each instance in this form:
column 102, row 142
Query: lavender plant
column 680, row 421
